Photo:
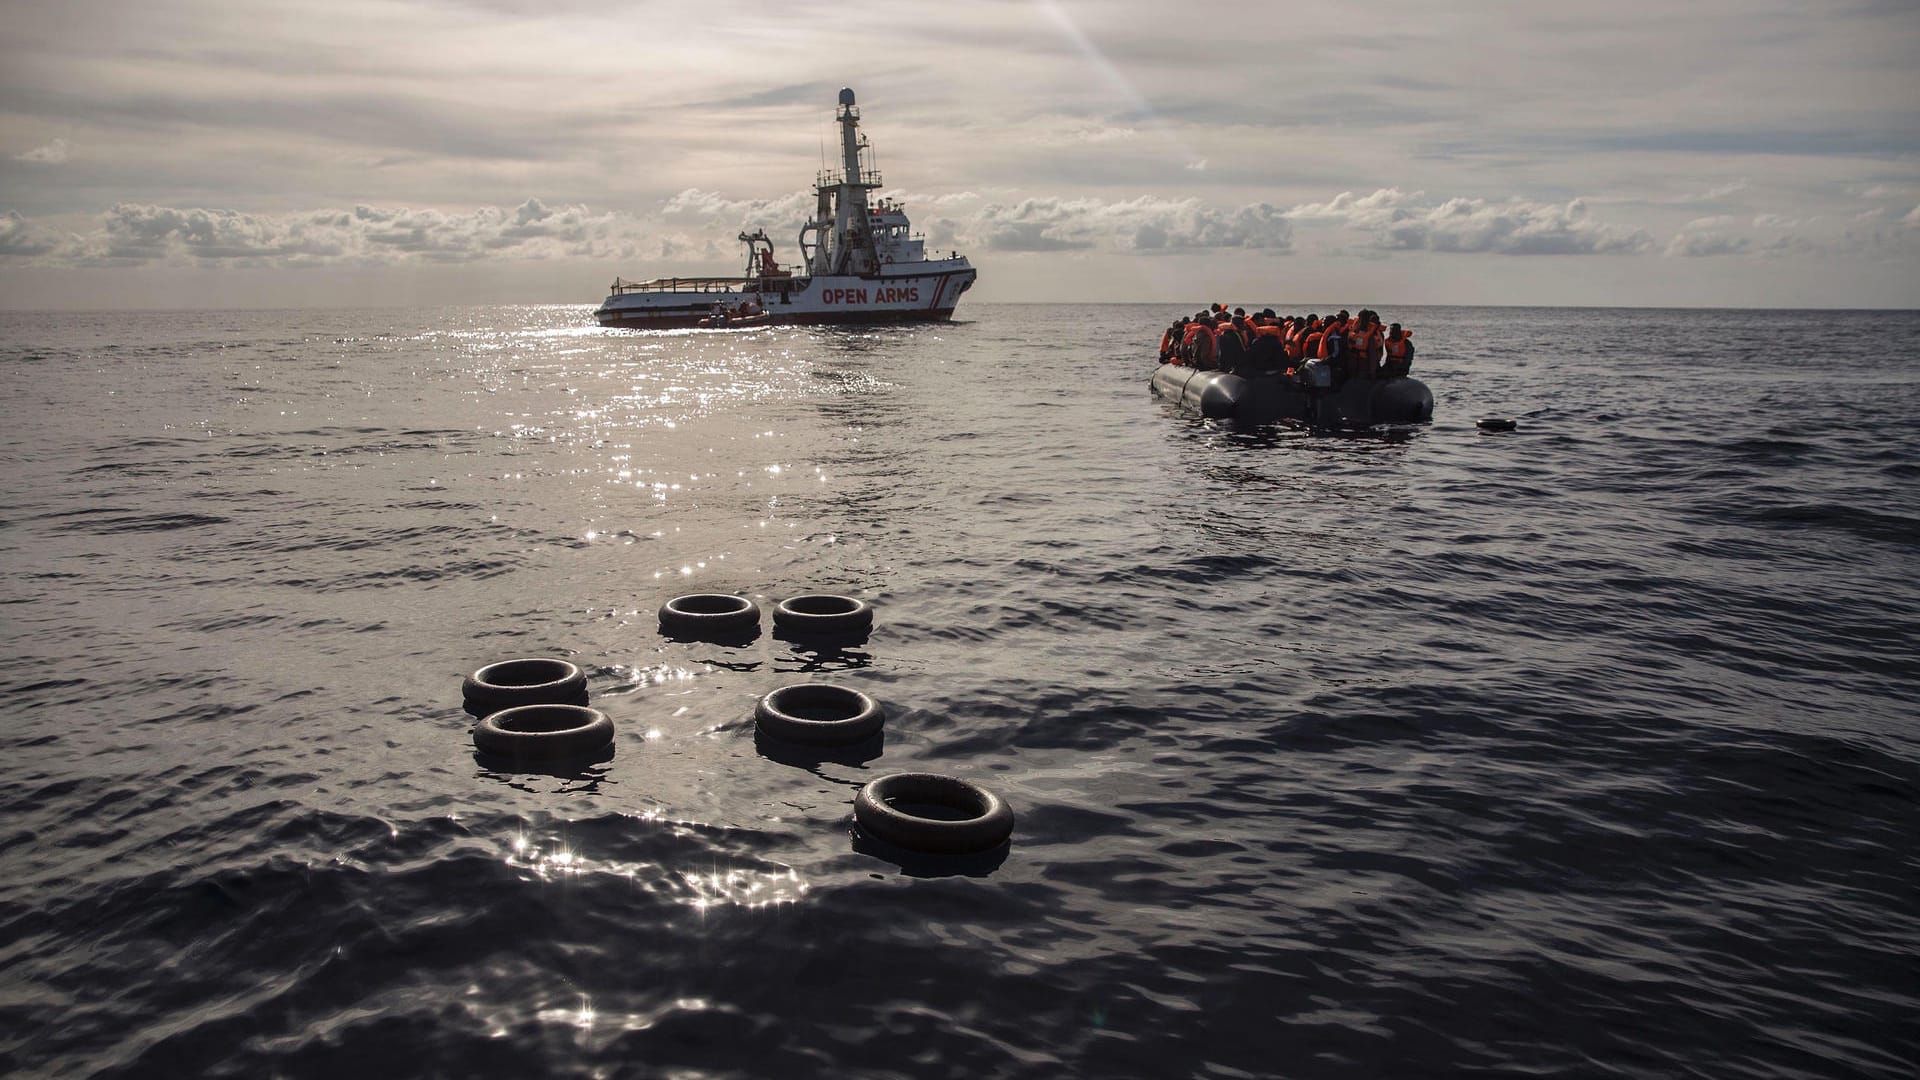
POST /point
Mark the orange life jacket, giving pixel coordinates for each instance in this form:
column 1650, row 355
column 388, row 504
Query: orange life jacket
column 1397, row 347
column 1199, row 346
column 1314, row 345
column 1368, row 343
column 1334, row 332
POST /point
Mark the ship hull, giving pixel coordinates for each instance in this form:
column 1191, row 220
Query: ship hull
column 817, row 301
column 671, row 320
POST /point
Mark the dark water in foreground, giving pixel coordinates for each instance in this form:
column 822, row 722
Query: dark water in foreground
column 1588, row 750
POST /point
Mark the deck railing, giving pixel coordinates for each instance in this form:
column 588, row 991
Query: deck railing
column 622, row 286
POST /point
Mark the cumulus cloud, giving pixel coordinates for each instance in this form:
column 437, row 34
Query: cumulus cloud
column 133, row 234
column 53, row 153
column 20, row 238
column 1912, row 220
column 1146, row 224
column 1400, row 221
column 793, row 208
column 698, row 225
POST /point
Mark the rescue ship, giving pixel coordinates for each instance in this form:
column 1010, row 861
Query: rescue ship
column 859, row 263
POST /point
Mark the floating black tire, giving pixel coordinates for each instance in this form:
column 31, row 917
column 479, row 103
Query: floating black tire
column 818, row 713
column 535, row 680
column 709, row 615
column 1495, row 423
column 890, row 809
column 824, row 613
column 543, row 732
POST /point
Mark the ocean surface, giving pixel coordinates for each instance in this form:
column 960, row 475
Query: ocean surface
column 1589, row 749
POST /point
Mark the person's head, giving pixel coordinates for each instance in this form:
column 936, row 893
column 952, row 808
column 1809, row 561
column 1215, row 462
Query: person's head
column 1239, row 313
column 1343, row 315
column 1394, row 329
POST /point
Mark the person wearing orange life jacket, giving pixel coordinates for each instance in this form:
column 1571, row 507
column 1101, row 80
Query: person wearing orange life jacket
column 1290, row 340
column 1199, row 344
column 1230, row 344
column 1364, row 346
column 1183, row 338
column 1332, row 338
column 1297, row 341
column 1268, row 351
column 1399, row 349
column 1170, row 341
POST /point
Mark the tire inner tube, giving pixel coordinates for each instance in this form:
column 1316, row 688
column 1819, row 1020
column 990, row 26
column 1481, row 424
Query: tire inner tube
column 1495, row 423
column 933, row 813
column 823, row 613
column 543, row 732
column 534, row 680
column 698, row 614
column 818, row 713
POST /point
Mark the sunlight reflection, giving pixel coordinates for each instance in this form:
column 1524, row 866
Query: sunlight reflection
column 703, row 888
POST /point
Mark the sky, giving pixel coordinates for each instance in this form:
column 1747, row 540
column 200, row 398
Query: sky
column 312, row 153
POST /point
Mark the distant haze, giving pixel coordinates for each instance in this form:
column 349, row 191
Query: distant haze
column 193, row 153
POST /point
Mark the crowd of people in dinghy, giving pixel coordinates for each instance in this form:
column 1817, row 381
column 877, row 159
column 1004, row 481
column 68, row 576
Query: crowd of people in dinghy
column 1340, row 346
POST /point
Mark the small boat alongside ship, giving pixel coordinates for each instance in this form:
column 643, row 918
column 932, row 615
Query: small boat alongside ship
column 860, row 263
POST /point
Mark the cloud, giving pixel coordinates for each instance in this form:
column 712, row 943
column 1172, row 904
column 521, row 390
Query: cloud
column 1147, row 224
column 695, row 228
column 1402, row 221
column 794, row 208
column 53, row 153
column 1912, row 220
column 132, row 234
column 1718, row 192
column 1100, row 134
column 1700, row 244
column 20, row 238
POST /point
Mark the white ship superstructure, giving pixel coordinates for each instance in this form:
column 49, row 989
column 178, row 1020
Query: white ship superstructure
column 859, row 263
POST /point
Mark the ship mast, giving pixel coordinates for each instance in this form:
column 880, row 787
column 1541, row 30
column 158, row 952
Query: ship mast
column 842, row 207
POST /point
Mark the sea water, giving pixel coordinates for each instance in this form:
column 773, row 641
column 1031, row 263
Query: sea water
column 1584, row 749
